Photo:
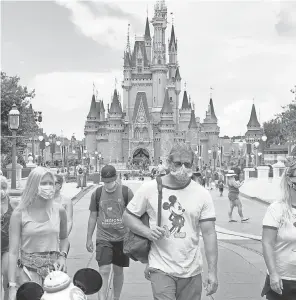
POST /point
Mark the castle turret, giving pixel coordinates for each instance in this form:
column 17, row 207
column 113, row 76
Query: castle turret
column 166, row 127
column 173, row 60
column 91, row 126
column 148, row 40
column 254, row 132
column 159, row 67
column 185, row 113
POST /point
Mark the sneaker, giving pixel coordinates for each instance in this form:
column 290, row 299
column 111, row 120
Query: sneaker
column 232, row 221
column 245, row 219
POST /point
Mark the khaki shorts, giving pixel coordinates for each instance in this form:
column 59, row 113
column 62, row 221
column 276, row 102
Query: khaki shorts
column 167, row 287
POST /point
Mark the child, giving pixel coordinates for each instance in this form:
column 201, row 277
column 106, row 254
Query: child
column 221, row 187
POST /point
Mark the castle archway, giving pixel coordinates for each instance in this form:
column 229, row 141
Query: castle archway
column 141, row 156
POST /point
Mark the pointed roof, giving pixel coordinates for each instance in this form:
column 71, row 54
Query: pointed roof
column 102, row 108
column 185, row 103
column 166, row 108
column 115, row 106
column 211, row 110
column 253, row 122
column 141, row 97
column 147, row 30
column 173, row 38
column 192, row 123
column 139, row 46
column 93, row 112
column 177, row 74
column 127, row 59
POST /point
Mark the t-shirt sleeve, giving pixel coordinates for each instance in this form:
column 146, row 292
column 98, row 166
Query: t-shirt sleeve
column 130, row 195
column 93, row 202
column 138, row 204
column 208, row 209
column 272, row 218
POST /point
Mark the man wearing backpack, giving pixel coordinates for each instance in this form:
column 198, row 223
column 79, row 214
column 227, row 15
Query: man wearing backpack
column 79, row 171
column 107, row 205
column 177, row 214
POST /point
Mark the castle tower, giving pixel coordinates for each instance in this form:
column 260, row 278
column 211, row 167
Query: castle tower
column 166, row 127
column 91, row 126
column 173, row 60
column 127, row 77
column 148, row 39
column 115, row 129
column 159, row 67
column 185, row 113
column 254, row 132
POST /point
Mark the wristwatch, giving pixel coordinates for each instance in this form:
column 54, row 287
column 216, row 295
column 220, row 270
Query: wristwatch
column 11, row 284
column 64, row 254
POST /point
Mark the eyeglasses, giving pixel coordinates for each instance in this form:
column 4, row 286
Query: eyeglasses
column 179, row 164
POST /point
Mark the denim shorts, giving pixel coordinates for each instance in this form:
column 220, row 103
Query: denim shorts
column 167, row 287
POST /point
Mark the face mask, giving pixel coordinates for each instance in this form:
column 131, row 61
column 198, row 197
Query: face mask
column 182, row 174
column 110, row 185
column 46, row 192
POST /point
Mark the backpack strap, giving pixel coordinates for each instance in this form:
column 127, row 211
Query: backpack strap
column 125, row 194
column 98, row 196
column 159, row 188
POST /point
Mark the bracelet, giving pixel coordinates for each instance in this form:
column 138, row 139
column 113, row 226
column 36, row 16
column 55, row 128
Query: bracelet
column 11, row 284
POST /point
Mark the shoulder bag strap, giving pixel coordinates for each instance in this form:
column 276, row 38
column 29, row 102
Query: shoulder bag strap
column 125, row 194
column 98, row 196
column 159, row 188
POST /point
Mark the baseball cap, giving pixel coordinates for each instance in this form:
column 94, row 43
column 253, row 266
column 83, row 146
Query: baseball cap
column 108, row 173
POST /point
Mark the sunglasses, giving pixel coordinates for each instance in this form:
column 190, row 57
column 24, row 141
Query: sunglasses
column 179, row 164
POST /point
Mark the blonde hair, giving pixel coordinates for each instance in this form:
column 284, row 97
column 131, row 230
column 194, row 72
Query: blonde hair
column 286, row 190
column 30, row 193
column 4, row 182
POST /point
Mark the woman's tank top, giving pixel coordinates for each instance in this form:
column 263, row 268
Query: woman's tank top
column 5, row 220
column 41, row 237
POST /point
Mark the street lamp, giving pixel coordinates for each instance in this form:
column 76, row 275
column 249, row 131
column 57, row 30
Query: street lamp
column 96, row 153
column 100, row 157
column 256, row 144
column 14, row 123
column 264, row 139
column 209, row 152
column 41, row 147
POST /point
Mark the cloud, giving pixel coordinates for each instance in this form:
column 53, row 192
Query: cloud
column 104, row 23
column 286, row 19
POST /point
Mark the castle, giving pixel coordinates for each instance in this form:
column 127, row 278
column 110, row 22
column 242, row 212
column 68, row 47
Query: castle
column 151, row 116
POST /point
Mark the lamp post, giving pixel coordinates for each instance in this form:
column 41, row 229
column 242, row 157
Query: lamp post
column 256, row 144
column 14, row 123
column 41, row 146
column 264, row 139
column 96, row 153
column 209, row 152
column 100, row 157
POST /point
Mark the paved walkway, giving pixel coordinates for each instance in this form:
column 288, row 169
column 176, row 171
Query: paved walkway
column 241, row 271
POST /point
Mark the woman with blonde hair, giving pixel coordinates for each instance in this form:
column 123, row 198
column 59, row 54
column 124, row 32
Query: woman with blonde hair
column 38, row 233
column 279, row 241
column 6, row 211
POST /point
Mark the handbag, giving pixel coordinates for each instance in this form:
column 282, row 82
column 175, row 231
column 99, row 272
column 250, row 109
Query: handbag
column 135, row 246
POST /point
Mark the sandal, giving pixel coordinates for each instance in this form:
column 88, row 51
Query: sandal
column 232, row 221
column 245, row 219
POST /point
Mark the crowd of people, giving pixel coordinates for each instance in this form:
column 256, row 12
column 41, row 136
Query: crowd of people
column 34, row 237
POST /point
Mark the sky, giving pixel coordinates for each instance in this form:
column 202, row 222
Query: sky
column 244, row 50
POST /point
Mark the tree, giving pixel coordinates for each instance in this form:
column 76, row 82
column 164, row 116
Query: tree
column 273, row 132
column 12, row 92
column 288, row 120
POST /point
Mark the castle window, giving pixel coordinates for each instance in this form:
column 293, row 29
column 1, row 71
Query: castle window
column 171, row 99
column 159, row 80
column 140, row 60
column 139, row 69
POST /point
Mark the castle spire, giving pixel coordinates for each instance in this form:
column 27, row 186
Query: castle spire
column 177, row 75
column 147, row 30
column 185, row 103
column 93, row 112
column 172, row 39
column 167, row 108
column 115, row 105
column 253, row 122
column 192, row 122
column 128, row 45
column 211, row 111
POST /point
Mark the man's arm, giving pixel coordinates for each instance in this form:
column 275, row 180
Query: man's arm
column 69, row 214
column 211, row 245
column 92, row 221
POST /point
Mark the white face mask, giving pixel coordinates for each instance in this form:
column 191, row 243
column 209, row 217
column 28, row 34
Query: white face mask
column 181, row 174
column 46, row 192
column 109, row 186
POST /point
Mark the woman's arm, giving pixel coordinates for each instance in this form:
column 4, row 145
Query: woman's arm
column 268, row 242
column 69, row 215
column 14, row 243
column 63, row 231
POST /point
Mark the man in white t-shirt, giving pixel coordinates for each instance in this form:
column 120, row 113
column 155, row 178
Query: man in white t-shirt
column 175, row 260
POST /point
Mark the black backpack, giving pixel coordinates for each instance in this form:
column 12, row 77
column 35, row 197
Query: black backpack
column 124, row 195
column 80, row 171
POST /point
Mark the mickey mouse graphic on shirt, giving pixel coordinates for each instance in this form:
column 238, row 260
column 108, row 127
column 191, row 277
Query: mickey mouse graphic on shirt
column 176, row 217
